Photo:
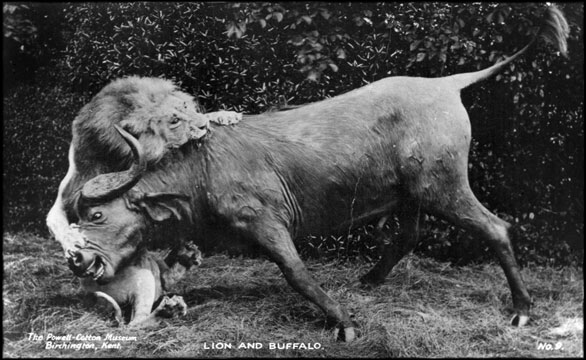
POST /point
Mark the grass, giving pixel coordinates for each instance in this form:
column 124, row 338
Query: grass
column 424, row 309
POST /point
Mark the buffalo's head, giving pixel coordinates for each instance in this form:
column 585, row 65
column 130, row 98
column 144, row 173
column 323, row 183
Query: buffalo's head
column 114, row 218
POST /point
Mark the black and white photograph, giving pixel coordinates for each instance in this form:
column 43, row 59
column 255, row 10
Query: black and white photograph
column 293, row 179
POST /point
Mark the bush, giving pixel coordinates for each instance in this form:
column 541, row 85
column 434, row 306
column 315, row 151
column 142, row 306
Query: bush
column 37, row 125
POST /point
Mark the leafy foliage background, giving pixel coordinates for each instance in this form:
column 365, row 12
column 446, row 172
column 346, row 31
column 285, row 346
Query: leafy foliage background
column 526, row 162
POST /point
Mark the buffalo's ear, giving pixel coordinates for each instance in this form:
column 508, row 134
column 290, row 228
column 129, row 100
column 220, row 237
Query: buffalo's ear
column 163, row 206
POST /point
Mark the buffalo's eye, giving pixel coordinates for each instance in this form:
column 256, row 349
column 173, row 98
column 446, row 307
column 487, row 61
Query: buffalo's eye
column 96, row 216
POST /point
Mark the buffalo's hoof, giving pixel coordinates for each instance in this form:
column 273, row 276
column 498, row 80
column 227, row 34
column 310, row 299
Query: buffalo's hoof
column 347, row 334
column 519, row 320
column 369, row 281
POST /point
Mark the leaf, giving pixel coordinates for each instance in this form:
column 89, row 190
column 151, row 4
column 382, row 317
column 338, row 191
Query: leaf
column 297, row 40
column 414, row 45
column 333, row 66
column 313, row 76
column 278, row 16
column 231, row 29
column 241, row 29
column 420, row 56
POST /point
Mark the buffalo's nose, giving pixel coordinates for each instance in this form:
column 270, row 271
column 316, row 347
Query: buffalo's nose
column 79, row 261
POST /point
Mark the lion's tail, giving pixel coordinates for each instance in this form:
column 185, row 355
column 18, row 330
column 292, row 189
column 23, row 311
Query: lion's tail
column 554, row 30
column 117, row 310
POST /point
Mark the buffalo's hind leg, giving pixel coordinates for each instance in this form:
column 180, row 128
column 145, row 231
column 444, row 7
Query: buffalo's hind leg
column 461, row 207
column 277, row 241
column 409, row 221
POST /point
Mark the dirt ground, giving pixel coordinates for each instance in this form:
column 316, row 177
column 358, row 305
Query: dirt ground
column 242, row 307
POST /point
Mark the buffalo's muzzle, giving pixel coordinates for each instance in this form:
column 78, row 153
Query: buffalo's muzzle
column 85, row 264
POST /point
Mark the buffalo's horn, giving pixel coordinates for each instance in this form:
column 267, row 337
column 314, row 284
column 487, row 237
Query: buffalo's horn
column 110, row 185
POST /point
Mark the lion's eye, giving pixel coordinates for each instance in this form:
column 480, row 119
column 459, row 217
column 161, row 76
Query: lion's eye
column 96, row 216
column 174, row 120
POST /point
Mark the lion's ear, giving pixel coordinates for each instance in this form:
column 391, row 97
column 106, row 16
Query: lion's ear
column 153, row 145
column 134, row 127
column 126, row 126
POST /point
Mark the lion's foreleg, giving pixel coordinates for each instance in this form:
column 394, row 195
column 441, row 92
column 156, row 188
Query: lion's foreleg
column 67, row 235
column 143, row 297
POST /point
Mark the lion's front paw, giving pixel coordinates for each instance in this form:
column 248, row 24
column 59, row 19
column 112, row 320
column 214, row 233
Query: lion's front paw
column 191, row 256
column 224, row 117
column 174, row 306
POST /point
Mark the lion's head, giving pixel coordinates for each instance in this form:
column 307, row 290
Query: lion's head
column 153, row 110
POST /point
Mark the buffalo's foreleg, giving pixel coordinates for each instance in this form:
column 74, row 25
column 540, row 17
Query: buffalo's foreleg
column 277, row 241
column 461, row 207
column 409, row 222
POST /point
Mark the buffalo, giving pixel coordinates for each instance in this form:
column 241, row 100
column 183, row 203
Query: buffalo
column 398, row 145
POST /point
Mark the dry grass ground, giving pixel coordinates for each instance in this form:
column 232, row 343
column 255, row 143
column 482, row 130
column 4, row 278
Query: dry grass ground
column 424, row 309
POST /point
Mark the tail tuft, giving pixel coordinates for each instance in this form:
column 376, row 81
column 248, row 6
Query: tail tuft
column 555, row 29
column 117, row 310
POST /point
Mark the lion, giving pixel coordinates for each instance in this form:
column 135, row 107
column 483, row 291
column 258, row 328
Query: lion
column 153, row 110
column 137, row 287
